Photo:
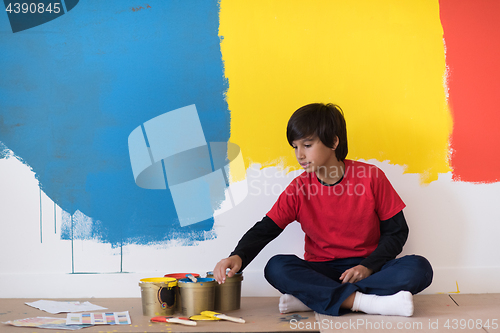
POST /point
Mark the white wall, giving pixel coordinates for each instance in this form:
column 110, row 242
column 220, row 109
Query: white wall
column 455, row 225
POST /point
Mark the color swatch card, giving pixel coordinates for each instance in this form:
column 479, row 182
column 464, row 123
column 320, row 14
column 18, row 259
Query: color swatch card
column 107, row 318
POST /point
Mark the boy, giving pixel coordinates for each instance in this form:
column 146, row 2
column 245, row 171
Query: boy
column 354, row 229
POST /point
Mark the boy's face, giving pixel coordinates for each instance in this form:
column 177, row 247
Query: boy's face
column 313, row 155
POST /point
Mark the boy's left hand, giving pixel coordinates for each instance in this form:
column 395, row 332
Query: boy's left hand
column 355, row 274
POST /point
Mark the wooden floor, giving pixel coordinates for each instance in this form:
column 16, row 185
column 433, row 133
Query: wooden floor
column 433, row 313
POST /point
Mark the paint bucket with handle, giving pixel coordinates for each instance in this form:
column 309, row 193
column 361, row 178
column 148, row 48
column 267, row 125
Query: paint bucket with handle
column 178, row 276
column 158, row 296
column 197, row 296
column 228, row 294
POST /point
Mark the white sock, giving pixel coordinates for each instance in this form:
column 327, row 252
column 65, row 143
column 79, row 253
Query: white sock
column 400, row 304
column 289, row 303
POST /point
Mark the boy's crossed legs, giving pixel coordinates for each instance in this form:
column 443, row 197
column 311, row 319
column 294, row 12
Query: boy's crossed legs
column 399, row 304
column 315, row 285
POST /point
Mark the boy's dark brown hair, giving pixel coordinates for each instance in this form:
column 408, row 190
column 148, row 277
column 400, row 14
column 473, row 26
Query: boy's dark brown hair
column 323, row 120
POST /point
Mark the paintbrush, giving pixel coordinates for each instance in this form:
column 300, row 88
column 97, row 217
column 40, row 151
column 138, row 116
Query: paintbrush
column 191, row 277
column 200, row 317
column 222, row 316
column 178, row 320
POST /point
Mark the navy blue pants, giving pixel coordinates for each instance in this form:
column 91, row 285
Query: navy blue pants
column 318, row 286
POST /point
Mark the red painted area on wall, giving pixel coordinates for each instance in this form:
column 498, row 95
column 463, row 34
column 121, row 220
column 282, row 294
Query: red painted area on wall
column 472, row 38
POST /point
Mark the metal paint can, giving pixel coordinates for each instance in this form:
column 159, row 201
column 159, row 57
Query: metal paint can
column 158, row 296
column 197, row 296
column 228, row 294
column 178, row 276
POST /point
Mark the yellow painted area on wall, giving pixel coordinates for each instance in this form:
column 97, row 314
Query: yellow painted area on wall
column 382, row 62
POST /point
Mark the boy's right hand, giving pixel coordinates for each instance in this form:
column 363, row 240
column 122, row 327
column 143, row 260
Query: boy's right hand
column 233, row 262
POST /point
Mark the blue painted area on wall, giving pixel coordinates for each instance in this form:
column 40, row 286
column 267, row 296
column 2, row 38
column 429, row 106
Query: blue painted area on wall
column 73, row 89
